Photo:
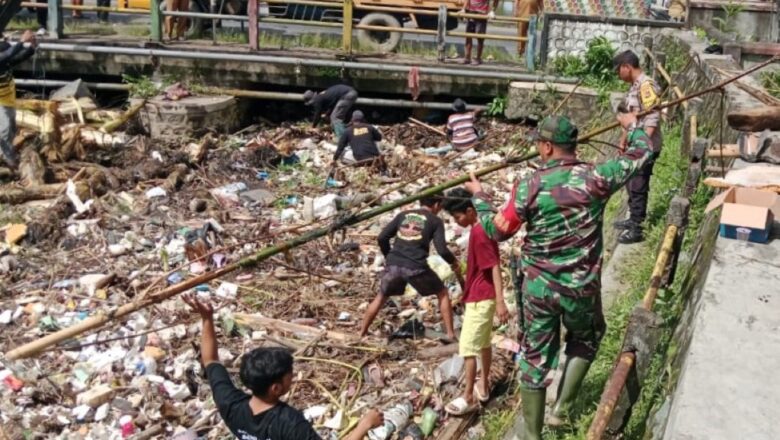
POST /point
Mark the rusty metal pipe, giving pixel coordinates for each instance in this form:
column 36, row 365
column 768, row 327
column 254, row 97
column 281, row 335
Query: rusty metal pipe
column 611, row 395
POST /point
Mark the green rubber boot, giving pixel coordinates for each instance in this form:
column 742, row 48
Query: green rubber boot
column 573, row 373
column 533, row 412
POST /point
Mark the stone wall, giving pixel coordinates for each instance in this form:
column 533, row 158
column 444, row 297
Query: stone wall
column 537, row 99
column 702, row 71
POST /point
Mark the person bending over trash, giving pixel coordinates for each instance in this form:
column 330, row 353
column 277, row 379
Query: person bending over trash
column 406, row 261
column 11, row 54
column 361, row 139
column 483, row 297
column 268, row 374
column 336, row 100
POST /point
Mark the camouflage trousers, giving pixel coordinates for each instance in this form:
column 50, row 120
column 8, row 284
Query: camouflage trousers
column 544, row 311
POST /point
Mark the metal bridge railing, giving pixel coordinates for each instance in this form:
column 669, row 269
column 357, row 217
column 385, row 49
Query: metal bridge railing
column 347, row 24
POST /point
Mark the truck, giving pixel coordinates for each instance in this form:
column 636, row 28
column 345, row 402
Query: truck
column 380, row 41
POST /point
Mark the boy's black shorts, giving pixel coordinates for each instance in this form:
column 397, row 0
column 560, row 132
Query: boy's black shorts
column 395, row 278
column 475, row 26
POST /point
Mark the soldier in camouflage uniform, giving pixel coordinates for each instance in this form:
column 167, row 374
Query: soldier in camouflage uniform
column 562, row 205
column 643, row 95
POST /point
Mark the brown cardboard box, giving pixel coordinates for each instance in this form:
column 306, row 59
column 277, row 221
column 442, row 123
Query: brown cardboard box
column 747, row 213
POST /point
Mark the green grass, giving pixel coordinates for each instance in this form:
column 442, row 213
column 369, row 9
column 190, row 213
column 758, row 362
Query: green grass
column 22, row 23
column 135, row 30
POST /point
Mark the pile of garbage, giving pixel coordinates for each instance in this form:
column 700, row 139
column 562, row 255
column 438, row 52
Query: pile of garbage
column 132, row 217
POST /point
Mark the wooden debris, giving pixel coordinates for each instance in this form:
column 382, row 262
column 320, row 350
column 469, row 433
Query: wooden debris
column 14, row 233
column 31, row 168
column 112, row 126
column 728, row 150
column 258, row 322
column 16, row 195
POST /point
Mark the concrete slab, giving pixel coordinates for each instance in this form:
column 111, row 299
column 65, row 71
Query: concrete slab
column 727, row 387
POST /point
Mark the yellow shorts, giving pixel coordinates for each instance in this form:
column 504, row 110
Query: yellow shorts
column 477, row 327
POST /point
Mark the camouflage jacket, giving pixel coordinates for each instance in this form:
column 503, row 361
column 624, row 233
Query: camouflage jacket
column 562, row 205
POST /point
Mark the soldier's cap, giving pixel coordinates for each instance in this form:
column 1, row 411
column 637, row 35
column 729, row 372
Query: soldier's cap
column 556, row 129
column 358, row 116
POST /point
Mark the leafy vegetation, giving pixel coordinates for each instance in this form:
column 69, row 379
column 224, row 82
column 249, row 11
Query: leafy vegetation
column 594, row 68
column 497, row 106
column 771, row 82
column 730, row 12
column 141, row 86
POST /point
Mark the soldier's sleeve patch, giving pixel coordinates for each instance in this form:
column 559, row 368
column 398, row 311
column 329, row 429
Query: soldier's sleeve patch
column 648, row 95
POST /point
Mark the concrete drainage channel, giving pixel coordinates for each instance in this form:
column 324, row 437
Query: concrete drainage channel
column 129, row 250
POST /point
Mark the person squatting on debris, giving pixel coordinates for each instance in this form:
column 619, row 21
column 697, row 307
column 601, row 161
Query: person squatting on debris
column 477, row 26
column 361, row 137
column 337, row 100
column 406, row 261
column 562, row 205
column 643, row 95
column 11, row 54
column 461, row 131
column 268, row 373
column 483, row 297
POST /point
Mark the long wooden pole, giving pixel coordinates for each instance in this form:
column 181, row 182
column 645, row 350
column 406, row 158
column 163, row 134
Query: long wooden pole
column 102, row 318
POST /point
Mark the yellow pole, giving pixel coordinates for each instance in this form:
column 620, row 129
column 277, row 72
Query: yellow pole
column 347, row 29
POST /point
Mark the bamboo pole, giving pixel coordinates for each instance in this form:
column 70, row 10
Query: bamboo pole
column 97, row 321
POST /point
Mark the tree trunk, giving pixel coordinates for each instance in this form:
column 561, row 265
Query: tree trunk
column 755, row 119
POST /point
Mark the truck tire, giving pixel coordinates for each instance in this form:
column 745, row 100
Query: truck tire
column 195, row 26
column 379, row 41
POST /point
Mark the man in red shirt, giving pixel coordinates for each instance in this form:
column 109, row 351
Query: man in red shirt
column 477, row 26
column 483, row 297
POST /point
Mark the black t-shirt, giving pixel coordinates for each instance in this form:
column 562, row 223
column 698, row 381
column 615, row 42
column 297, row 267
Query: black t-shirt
column 324, row 101
column 362, row 138
column 413, row 231
column 282, row 422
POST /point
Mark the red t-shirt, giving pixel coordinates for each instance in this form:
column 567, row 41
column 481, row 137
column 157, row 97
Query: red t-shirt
column 483, row 255
column 479, row 6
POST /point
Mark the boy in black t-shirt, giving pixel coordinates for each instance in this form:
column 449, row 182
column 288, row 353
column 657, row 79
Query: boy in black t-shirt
column 406, row 262
column 268, row 373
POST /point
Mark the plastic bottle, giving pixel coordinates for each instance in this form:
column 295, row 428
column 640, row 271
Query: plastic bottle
column 396, row 419
column 429, row 418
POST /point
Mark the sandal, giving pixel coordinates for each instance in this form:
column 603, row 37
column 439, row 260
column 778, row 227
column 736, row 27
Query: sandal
column 460, row 407
column 481, row 397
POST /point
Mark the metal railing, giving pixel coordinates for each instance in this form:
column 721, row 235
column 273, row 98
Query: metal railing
column 350, row 11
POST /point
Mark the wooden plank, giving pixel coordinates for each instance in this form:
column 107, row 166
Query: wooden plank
column 258, row 322
column 728, row 150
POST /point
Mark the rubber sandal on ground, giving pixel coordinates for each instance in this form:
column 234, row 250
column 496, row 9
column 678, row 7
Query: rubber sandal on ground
column 460, row 407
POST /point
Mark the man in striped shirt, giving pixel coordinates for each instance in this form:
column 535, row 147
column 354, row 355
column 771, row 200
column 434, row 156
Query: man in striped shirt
column 460, row 127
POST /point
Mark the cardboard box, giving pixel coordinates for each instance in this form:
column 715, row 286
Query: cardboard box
column 747, row 213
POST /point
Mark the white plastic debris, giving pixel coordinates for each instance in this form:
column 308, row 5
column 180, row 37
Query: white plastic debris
column 288, row 214
column 335, row 422
column 176, row 391
column 117, row 249
column 157, row 191
column 70, row 191
column 227, row 290
column 228, row 194
column 6, row 317
column 102, row 412
column 89, row 282
column 325, row 206
column 345, row 316
column 80, row 412
column 313, row 413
